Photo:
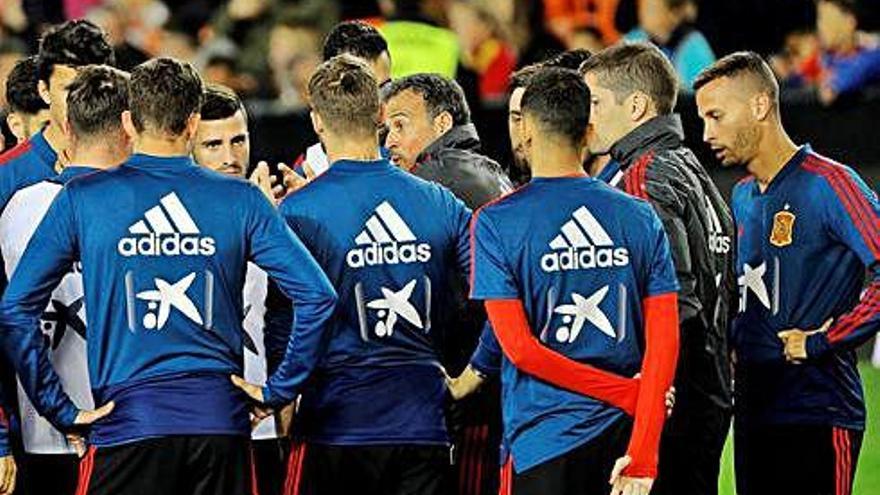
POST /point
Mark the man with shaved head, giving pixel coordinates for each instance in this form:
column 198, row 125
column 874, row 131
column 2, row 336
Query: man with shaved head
column 800, row 413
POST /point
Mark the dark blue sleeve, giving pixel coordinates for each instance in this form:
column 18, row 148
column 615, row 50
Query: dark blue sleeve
column 48, row 257
column 491, row 277
column 275, row 249
column 459, row 221
column 487, row 357
column 853, row 216
column 854, row 72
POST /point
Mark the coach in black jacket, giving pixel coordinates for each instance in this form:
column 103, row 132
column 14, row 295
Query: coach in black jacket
column 634, row 88
column 430, row 134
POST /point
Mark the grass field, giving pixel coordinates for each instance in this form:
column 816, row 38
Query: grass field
column 868, row 474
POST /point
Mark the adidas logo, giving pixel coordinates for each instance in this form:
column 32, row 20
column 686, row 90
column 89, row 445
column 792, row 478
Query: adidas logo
column 583, row 244
column 718, row 242
column 387, row 240
column 158, row 236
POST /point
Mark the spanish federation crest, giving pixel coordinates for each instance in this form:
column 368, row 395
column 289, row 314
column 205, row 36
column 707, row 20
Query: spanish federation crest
column 783, row 228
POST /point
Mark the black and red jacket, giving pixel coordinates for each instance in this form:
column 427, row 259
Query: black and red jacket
column 652, row 163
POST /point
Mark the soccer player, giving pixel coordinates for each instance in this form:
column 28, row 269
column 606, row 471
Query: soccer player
column 27, row 110
column 63, row 50
column 163, row 274
column 222, row 143
column 372, row 416
column 361, row 40
column 634, row 87
column 590, row 278
column 95, row 102
column 807, row 230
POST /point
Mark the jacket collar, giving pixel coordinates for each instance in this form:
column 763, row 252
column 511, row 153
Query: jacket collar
column 463, row 137
column 661, row 132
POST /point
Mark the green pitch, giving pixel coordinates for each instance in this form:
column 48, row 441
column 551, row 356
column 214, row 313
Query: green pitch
column 868, row 474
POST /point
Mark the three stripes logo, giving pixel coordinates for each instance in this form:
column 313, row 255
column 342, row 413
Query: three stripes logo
column 719, row 243
column 387, row 240
column 583, row 244
column 167, row 230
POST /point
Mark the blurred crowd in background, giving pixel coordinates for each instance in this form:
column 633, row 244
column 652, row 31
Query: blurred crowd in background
column 266, row 49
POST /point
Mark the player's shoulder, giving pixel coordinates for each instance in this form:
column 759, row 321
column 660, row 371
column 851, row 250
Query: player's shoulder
column 508, row 202
column 15, row 155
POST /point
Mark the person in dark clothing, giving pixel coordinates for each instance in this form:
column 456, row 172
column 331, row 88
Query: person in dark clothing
column 634, row 88
column 430, row 133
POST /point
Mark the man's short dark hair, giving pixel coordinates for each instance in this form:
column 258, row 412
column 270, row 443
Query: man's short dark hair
column 560, row 100
column 570, row 59
column 21, row 88
column 440, row 94
column 741, row 64
column 96, row 99
column 343, row 91
column 625, row 68
column 355, row 38
column 220, row 102
column 522, row 77
column 164, row 93
column 75, row 43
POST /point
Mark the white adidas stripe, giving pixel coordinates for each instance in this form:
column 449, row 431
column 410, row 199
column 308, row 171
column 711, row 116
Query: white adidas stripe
column 385, row 226
column 583, row 231
column 159, row 222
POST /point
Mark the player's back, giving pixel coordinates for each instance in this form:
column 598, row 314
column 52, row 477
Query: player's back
column 163, row 270
column 581, row 256
column 387, row 241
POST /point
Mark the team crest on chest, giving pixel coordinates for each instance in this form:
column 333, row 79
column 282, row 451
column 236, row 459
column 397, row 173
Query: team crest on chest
column 783, row 228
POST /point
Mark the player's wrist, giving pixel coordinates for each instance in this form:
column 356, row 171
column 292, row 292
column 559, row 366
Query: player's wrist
column 817, row 345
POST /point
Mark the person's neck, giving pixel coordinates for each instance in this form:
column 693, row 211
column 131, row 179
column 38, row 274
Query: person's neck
column 55, row 137
column 848, row 45
column 354, row 149
column 98, row 156
column 556, row 160
column 774, row 152
column 162, row 146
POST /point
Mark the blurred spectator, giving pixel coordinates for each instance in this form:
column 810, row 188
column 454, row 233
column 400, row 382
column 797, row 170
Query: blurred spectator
column 669, row 24
column 294, row 52
column 11, row 51
column 485, row 49
column 27, row 110
column 416, row 41
column 586, row 38
column 249, row 25
column 849, row 59
column 566, row 17
column 113, row 21
column 798, row 63
column 534, row 41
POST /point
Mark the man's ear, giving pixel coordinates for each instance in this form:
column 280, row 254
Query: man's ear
column 43, row 90
column 317, row 123
column 192, row 125
column 442, row 123
column 16, row 126
column 761, row 106
column 128, row 125
column 640, row 104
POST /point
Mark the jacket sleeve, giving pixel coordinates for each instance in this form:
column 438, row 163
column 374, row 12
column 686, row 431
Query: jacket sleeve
column 275, row 249
column 853, row 217
column 51, row 252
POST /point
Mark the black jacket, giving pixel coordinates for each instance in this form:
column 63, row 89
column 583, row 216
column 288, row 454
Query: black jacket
column 454, row 161
column 655, row 165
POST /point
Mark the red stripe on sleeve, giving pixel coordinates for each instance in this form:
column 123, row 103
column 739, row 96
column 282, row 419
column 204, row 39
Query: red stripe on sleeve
column 658, row 371
column 511, row 326
column 860, row 212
